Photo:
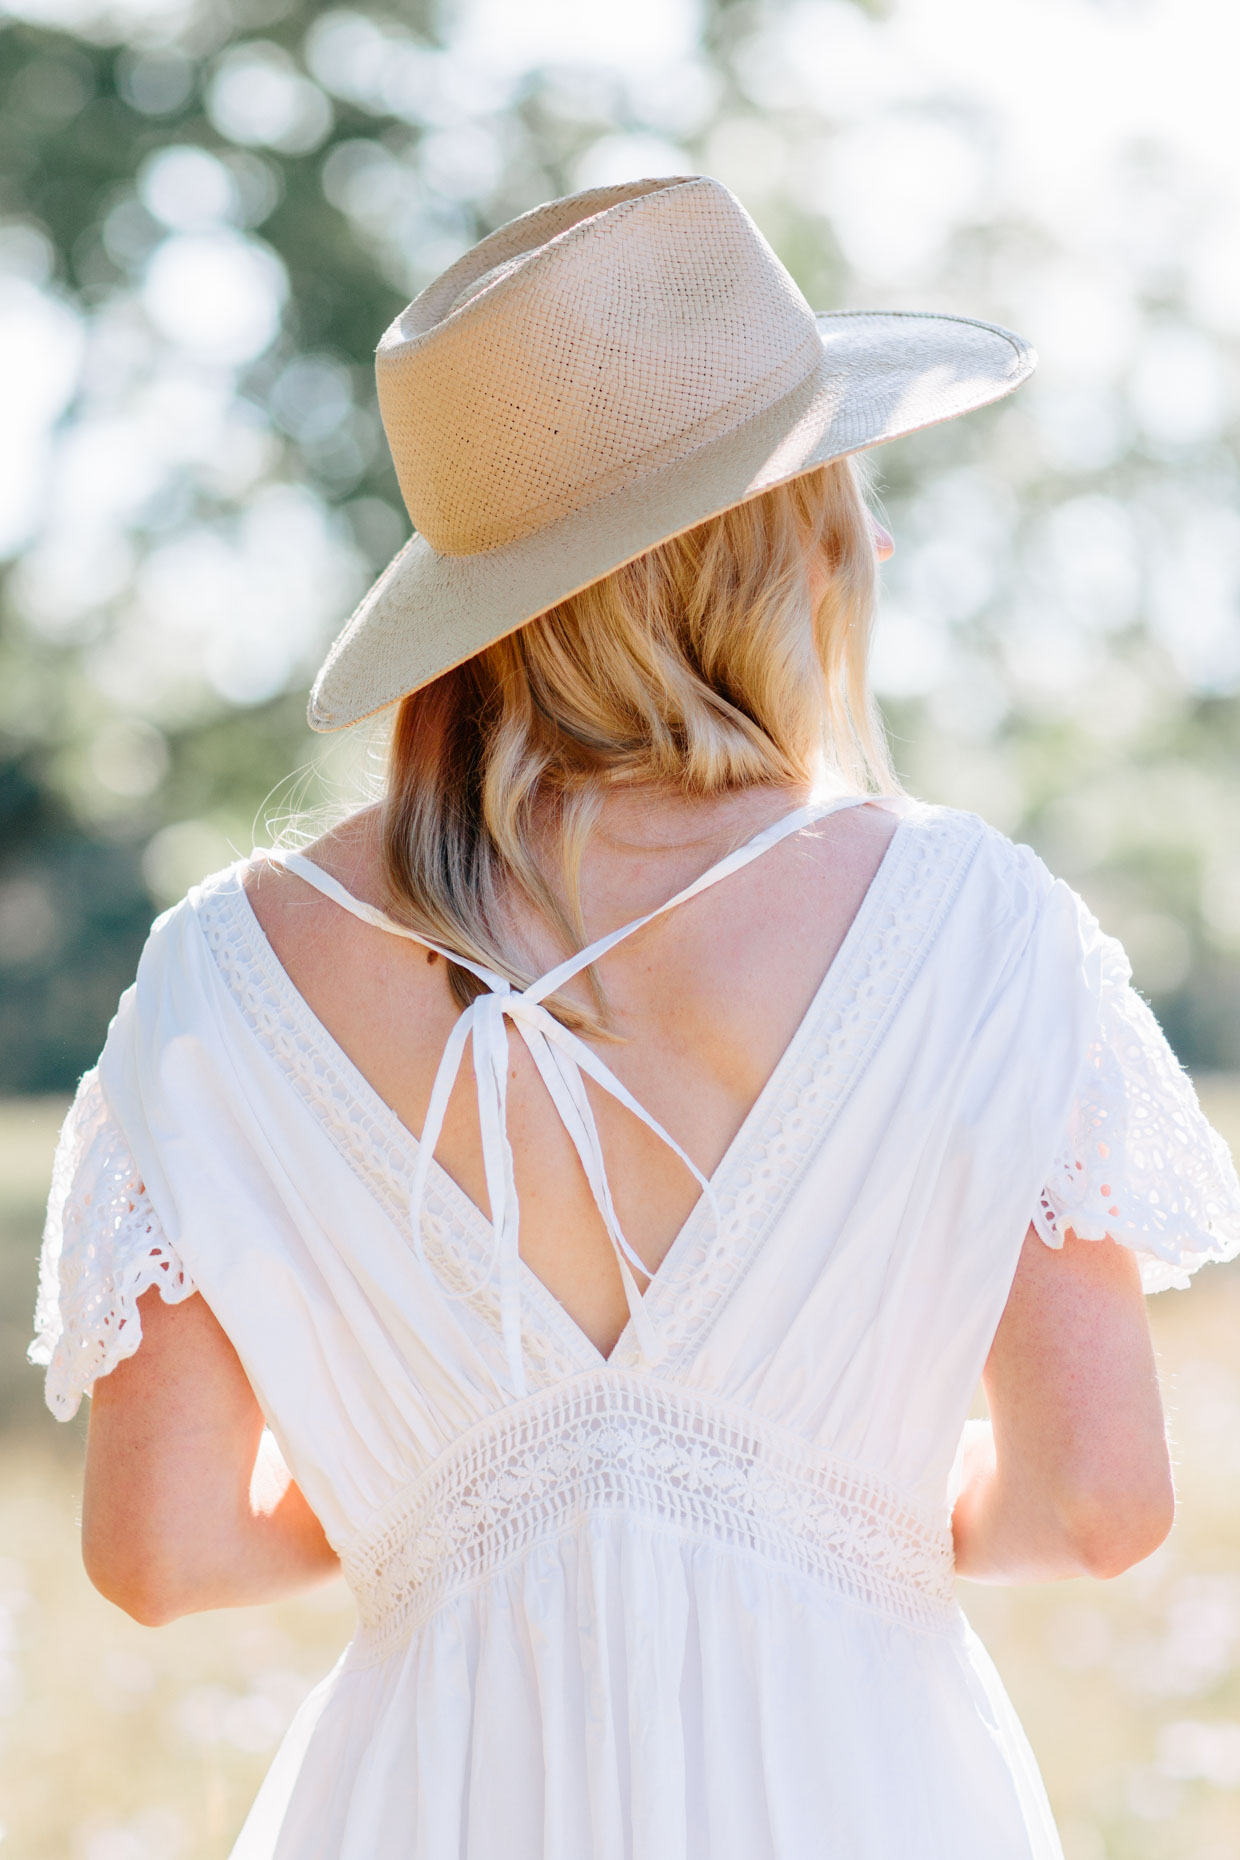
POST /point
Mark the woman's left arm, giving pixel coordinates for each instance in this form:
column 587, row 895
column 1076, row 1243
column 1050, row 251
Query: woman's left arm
column 183, row 1510
column 1073, row 1475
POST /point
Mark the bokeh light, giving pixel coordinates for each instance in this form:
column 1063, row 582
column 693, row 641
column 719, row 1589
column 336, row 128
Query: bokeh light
column 210, row 211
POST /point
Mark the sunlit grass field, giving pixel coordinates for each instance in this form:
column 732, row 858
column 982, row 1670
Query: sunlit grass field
column 124, row 1743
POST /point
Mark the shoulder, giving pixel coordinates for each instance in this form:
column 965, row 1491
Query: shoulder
column 179, row 930
column 212, row 930
column 215, row 904
column 289, row 910
column 351, row 851
column 1003, row 888
column 991, row 853
column 935, row 835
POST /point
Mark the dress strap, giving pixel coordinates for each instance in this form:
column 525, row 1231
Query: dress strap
column 723, row 868
column 564, row 1062
column 330, row 887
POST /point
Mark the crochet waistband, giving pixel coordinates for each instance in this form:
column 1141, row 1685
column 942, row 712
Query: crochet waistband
column 623, row 1443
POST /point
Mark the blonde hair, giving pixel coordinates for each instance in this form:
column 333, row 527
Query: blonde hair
column 704, row 665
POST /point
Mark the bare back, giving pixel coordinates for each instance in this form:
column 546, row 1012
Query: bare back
column 704, row 1002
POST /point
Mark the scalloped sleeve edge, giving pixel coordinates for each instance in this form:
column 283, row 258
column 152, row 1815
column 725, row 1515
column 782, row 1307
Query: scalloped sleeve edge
column 103, row 1247
column 1139, row 1160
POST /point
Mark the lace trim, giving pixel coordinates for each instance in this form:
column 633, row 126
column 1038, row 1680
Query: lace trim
column 102, row 1248
column 869, row 978
column 366, row 1132
column 703, row 1470
column 1140, row 1161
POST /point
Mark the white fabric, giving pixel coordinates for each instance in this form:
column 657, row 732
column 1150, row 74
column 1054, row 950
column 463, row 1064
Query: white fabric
column 102, row 1248
column 561, row 1059
column 1137, row 1160
column 698, row 1606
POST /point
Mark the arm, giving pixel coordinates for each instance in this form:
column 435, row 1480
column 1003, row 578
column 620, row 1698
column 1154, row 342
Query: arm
column 1072, row 1476
column 182, row 1512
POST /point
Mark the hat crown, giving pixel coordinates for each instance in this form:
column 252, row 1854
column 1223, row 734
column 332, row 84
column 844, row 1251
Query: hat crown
column 580, row 348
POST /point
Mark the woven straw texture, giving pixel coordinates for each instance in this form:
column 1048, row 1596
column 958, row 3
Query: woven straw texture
column 597, row 376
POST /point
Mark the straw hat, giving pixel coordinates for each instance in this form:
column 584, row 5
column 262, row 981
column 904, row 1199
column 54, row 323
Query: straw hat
column 597, row 376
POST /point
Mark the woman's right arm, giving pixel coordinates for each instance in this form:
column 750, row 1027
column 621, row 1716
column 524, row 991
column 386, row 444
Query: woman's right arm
column 185, row 1508
column 1072, row 1476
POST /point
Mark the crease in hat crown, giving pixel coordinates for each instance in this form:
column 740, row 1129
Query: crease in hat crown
column 567, row 357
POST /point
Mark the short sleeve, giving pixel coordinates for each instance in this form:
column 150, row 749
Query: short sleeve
column 1138, row 1160
column 102, row 1248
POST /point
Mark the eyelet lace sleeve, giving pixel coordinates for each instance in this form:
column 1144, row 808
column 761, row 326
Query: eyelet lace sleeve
column 102, row 1248
column 1139, row 1161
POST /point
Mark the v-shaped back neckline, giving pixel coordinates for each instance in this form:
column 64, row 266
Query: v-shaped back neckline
column 516, row 1279
column 699, row 1276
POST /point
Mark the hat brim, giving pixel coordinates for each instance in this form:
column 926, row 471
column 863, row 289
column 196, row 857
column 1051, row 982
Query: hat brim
column 882, row 375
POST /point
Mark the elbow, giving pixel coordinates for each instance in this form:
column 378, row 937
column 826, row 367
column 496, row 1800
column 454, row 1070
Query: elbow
column 136, row 1585
column 148, row 1610
column 1108, row 1532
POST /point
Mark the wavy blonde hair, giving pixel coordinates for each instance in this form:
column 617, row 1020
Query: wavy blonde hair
column 702, row 666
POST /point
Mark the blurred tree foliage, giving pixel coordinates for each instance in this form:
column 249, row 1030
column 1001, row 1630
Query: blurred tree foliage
column 204, row 225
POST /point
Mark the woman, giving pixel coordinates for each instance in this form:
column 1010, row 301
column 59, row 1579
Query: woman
column 760, row 1112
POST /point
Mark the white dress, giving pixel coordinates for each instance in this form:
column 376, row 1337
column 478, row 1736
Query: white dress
column 693, row 1601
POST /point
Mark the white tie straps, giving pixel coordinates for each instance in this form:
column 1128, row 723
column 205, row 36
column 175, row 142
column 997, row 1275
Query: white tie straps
column 564, row 1062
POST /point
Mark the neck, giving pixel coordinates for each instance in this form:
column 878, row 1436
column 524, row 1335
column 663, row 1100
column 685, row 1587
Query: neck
column 647, row 819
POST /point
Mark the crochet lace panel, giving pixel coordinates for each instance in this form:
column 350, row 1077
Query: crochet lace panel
column 705, row 1265
column 102, row 1248
column 1139, row 1161
column 700, row 1469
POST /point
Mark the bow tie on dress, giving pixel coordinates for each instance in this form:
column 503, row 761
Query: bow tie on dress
column 564, row 1062
column 562, row 1059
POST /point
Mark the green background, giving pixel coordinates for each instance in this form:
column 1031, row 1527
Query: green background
column 208, row 214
